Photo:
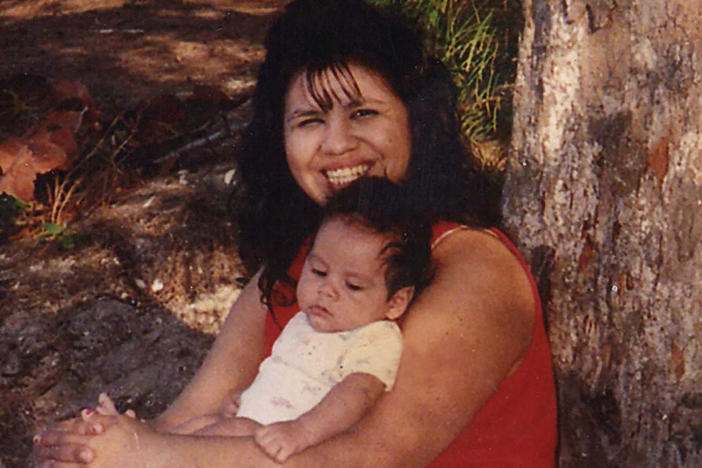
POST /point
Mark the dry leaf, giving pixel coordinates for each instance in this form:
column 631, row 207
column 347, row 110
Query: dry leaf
column 50, row 145
column 18, row 169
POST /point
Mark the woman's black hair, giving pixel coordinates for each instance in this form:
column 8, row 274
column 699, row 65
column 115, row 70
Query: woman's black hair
column 326, row 36
column 383, row 208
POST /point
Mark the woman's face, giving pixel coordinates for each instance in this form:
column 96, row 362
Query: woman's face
column 364, row 134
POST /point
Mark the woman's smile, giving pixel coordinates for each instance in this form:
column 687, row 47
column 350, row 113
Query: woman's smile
column 360, row 131
column 343, row 176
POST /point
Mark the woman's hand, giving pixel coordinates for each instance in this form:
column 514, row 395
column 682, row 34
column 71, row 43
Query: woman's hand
column 120, row 441
column 56, row 442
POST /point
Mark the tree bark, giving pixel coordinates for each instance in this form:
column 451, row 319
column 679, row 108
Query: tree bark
column 604, row 194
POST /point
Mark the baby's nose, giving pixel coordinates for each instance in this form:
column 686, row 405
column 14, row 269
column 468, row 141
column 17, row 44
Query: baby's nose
column 327, row 289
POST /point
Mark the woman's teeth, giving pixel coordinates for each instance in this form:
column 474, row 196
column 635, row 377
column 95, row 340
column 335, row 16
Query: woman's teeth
column 346, row 175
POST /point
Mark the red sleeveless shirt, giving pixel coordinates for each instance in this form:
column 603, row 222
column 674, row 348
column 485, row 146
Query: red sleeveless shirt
column 517, row 425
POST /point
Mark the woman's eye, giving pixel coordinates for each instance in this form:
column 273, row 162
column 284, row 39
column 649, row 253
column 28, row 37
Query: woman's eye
column 308, row 122
column 360, row 113
column 318, row 272
column 353, row 286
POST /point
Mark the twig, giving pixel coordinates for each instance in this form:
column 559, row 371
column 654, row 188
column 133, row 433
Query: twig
column 192, row 145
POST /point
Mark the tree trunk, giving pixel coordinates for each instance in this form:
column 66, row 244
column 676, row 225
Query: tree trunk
column 604, row 194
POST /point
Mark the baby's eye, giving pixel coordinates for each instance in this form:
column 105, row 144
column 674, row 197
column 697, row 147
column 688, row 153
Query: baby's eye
column 318, row 272
column 354, row 286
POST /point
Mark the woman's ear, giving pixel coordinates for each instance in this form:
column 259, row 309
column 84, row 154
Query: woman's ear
column 398, row 303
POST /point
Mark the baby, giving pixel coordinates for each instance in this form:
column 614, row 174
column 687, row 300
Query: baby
column 335, row 358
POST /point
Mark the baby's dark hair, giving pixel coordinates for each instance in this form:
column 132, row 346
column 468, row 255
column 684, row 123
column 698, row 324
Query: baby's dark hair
column 383, row 207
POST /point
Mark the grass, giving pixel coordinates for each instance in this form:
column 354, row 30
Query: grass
column 477, row 41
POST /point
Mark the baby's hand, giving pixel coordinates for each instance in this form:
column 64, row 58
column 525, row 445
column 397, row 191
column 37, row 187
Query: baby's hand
column 282, row 439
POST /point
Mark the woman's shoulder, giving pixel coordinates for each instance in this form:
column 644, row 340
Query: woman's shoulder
column 480, row 272
column 476, row 248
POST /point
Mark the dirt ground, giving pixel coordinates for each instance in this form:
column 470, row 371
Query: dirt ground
column 131, row 308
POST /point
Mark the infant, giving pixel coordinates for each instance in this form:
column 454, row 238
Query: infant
column 334, row 359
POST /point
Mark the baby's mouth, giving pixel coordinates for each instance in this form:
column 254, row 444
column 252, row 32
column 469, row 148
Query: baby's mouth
column 343, row 176
column 318, row 310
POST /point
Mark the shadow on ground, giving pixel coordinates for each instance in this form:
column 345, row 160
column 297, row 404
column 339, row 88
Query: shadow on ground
column 125, row 51
column 133, row 305
column 131, row 309
column 141, row 354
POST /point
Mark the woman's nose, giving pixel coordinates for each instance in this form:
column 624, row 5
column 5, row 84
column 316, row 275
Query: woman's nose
column 338, row 138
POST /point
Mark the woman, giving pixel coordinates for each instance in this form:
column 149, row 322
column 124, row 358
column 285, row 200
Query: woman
column 346, row 92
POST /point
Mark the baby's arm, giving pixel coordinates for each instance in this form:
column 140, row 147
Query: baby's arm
column 222, row 424
column 342, row 407
column 230, row 427
column 207, row 424
column 192, row 426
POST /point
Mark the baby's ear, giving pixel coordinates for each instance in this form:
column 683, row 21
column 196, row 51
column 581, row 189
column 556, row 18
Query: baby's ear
column 398, row 303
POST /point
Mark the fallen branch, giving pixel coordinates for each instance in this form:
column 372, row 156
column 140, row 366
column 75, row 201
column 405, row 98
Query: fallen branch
column 171, row 152
column 211, row 138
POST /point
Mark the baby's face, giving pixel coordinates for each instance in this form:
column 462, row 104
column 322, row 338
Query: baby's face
column 342, row 285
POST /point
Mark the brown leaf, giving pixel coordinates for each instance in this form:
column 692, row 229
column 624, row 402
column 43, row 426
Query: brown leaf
column 7, row 153
column 47, row 154
column 18, row 170
column 21, row 159
column 49, row 145
column 53, row 141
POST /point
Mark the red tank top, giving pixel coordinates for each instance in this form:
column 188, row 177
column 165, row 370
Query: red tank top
column 517, row 425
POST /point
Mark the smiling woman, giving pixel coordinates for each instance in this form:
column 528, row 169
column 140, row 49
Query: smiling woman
column 334, row 135
column 346, row 91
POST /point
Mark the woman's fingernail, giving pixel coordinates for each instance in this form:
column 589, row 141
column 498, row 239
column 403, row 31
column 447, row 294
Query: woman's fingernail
column 86, row 413
column 96, row 428
column 36, row 439
column 85, row 455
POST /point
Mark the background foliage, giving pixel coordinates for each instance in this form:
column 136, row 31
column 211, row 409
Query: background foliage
column 477, row 40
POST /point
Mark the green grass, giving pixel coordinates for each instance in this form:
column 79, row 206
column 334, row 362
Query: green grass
column 477, row 41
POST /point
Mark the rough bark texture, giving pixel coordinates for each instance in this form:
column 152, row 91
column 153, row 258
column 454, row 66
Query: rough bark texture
column 604, row 193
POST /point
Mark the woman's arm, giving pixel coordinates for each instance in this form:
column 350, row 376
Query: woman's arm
column 230, row 365
column 466, row 332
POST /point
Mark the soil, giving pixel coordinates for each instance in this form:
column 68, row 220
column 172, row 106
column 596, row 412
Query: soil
column 132, row 305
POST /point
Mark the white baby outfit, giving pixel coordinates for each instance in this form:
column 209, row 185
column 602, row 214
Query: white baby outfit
column 305, row 364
